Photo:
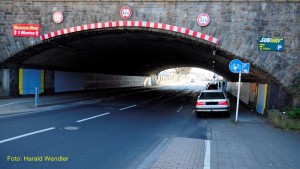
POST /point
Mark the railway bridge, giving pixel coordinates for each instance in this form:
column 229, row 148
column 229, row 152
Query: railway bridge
column 140, row 38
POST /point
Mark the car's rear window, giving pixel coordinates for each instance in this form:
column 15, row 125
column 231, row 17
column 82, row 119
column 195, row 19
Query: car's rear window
column 212, row 95
column 212, row 86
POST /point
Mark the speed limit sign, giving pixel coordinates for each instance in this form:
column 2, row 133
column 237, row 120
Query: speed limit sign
column 125, row 12
column 203, row 19
column 58, row 17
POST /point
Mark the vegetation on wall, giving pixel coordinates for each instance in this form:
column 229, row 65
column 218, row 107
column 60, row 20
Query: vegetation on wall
column 293, row 112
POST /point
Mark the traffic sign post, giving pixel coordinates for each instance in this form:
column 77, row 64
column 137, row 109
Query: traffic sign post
column 238, row 97
column 236, row 66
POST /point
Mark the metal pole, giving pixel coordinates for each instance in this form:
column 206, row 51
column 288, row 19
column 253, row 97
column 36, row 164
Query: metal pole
column 238, row 97
column 36, row 98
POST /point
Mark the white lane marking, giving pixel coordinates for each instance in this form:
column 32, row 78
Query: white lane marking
column 147, row 101
column 127, row 107
column 78, row 121
column 179, row 109
column 15, row 103
column 25, row 135
column 207, row 155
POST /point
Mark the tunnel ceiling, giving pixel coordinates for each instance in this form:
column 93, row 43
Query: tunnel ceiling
column 128, row 52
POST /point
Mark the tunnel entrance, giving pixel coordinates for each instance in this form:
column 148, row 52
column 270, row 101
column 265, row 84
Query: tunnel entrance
column 128, row 51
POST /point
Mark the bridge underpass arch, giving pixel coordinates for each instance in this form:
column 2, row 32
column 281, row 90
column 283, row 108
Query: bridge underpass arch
column 132, row 48
column 173, row 46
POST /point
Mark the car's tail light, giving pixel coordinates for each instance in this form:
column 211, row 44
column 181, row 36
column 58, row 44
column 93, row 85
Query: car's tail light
column 200, row 103
column 223, row 103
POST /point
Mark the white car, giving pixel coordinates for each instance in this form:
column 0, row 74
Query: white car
column 212, row 101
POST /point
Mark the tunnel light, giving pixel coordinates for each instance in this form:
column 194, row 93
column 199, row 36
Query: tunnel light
column 214, row 52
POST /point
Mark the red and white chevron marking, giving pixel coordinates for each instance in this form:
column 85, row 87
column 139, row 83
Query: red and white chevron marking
column 154, row 25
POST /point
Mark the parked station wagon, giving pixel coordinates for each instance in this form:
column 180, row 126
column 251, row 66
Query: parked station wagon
column 212, row 101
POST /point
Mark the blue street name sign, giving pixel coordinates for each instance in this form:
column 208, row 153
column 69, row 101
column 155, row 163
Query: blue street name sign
column 235, row 66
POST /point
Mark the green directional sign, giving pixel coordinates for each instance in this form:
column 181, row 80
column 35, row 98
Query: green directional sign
column 271, row 44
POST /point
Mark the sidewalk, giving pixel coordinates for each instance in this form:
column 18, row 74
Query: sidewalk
column 253, row 144
column 26, row 103
column 250, row 144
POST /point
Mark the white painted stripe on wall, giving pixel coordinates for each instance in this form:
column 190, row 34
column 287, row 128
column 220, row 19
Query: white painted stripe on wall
column 136, row 23
column 159, row 25
column 167, row 27
column 183, row 30
column 175, row 28
column 151, row 24
column 206, row 37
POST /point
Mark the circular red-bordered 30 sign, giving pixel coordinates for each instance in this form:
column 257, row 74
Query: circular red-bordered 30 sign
column 125, row 12
column 203, row 19
column 58, row 17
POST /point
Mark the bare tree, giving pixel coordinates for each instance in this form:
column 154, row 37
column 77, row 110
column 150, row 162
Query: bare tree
column 183, row 70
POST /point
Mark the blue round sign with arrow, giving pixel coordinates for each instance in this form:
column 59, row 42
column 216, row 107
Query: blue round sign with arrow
column 235, row 66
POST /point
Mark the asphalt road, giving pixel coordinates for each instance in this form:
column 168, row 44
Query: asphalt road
column 115, row 133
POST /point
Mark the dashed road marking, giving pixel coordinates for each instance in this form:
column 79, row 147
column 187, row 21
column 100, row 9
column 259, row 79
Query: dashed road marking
column 128, row 107
column 179, row 109
column 78, row 121
column 147, row 101
column 25, row 135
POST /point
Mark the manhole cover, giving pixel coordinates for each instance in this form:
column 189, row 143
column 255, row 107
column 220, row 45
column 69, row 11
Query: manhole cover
column 71, row 128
